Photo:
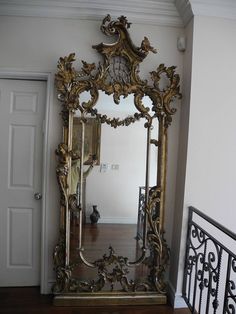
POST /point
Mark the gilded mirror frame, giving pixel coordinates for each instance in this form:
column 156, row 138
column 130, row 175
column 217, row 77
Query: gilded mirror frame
column 70, row 84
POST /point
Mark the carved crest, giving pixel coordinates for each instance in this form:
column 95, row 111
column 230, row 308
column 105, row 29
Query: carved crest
column 118, row 75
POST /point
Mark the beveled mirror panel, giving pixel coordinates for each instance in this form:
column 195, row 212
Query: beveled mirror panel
column 112, row 175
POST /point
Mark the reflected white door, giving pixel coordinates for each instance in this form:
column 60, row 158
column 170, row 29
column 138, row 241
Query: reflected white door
column 22, row 105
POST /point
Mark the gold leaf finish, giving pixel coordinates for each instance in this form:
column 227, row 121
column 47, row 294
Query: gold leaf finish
column 116, row 75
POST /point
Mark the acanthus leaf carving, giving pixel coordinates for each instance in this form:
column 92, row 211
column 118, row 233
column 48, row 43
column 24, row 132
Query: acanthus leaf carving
column 159, row 250
column 117, row 75
column 164, row 96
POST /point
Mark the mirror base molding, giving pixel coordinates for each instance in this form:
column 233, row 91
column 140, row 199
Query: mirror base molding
column 101, row 299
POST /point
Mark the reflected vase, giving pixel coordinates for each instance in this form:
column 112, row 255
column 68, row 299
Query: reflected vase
column 95, row 215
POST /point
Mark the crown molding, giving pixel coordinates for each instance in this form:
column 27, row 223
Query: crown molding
column 155, row 12
column 176, row 13
column 211, row 8
column 185, row 10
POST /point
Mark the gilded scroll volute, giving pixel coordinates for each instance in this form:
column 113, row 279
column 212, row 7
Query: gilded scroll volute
column 125, row 81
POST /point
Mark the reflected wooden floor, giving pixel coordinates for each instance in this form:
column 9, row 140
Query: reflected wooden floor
column 29, row 301
column 96, row 241
column 98, row 237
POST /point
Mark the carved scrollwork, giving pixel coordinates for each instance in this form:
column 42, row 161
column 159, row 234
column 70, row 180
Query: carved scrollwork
column 108, row 27
column 159, row 250
column 111, row 269
column 115, row 122
column 66, row 80
column 63, row 273
column 162, row 97
column 72, row 201
column 116, row 75
column 118, row 272
column 63, row 169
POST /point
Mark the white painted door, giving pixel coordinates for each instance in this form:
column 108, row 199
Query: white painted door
column 22, row 105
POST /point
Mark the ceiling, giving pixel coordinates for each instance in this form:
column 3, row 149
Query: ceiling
column 175, row 13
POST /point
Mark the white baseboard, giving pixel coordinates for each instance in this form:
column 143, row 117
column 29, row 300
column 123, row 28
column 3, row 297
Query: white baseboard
column 48, row 290
column 115, row 220
column 176, row 299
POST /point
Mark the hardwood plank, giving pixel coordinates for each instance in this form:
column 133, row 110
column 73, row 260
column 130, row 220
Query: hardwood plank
column 96, row 241
column 28, row 300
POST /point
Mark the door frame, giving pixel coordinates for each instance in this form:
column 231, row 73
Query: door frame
column 48, row 78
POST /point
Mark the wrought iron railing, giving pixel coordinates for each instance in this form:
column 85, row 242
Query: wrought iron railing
column 210, row 266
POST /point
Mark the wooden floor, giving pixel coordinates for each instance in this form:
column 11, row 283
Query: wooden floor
column 96, row 241
column 29, row 301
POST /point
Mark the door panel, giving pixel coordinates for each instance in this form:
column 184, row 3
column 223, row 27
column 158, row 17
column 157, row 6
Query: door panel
column 21, row 156
column 20, row 248
column 22, row 106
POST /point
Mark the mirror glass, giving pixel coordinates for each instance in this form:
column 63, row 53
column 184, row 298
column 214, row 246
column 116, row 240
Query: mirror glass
column 113, row 185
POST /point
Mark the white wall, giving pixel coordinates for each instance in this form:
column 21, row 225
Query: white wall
column 35, row 44
column 178, row 234
column 210, row 173
column 116, row 191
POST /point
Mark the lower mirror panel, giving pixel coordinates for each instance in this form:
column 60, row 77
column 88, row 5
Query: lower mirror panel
column 112, row 244
column 101, row 299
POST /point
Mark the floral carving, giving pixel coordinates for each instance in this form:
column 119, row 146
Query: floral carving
column 116, row 75
column 111, row 269
column 162, row 97
column 158, row 246
column 63, row 169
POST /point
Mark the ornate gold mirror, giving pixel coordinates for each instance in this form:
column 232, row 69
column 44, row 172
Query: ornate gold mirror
column 113, row 160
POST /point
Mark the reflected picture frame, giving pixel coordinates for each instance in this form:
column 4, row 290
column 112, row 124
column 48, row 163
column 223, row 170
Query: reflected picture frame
column 92, row 140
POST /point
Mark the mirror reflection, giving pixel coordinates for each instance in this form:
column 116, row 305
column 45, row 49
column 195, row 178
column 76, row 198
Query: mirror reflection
column 114, row 178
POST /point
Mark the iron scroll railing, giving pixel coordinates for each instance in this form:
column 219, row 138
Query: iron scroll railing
column 209, row 284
